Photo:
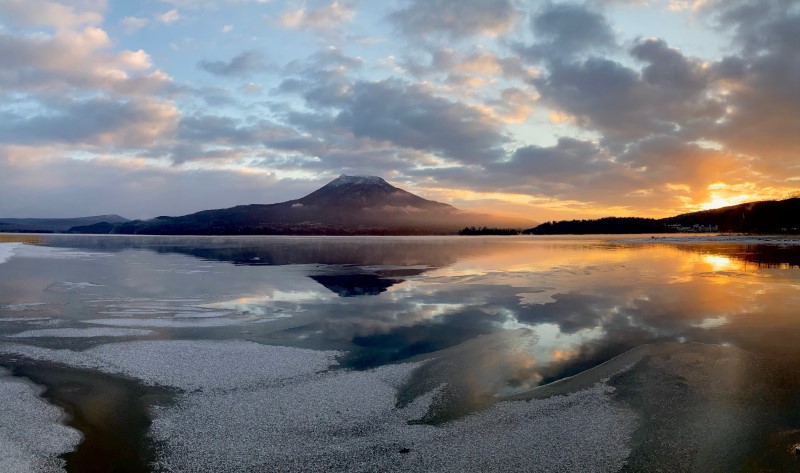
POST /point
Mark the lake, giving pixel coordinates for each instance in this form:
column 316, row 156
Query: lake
column 134, row 353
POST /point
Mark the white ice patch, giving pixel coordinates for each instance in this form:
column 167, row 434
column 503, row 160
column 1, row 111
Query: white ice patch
column 347, row 421
column 22, row 306
column 69, row 286
column 251, row 407
column 7, row 250
column 24, row 319
column 31, row 434
column 82, row 333
column 168, row 323
column 46, row 252
column 200, row 315
column 190, row 364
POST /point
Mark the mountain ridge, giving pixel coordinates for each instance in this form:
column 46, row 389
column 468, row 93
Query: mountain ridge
column 46, row 225
column 348, row 205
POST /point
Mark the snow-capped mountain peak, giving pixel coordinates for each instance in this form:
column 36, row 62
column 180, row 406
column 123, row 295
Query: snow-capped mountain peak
column 345, row 180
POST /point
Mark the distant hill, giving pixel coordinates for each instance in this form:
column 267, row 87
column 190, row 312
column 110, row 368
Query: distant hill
column 607, row 225
column 348, row 205
column 768, row 216
column 52, row 225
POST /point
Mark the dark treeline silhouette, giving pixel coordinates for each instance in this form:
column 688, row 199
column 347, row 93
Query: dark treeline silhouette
column 488, row 231
column 614, row 225
column 768, row 216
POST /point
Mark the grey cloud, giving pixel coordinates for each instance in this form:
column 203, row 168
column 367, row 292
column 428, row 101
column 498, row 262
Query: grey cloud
column 321, row 89
column 565, row 30
column 455, row 19
column 322, row 79
column 330, row 56
column 244, row 64
column 672, row 159
column 763, row 118
column 668, row 96
column 568, row 159
column 668, row 68
column 408, row 116
column 97, row 121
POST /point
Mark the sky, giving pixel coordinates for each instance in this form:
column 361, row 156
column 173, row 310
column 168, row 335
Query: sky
column 538, row 109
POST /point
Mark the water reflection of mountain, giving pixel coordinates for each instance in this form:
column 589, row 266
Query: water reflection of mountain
column 257, row 251
column 353, row 285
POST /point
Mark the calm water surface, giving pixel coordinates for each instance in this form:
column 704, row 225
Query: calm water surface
column 499, row 316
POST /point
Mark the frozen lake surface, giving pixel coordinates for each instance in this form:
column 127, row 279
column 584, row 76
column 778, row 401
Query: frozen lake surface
column 398, row 354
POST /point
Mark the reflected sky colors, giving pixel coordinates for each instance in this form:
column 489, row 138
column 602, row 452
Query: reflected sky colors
column 498, row 316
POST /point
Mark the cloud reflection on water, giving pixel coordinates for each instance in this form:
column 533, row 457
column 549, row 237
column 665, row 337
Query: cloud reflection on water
column 499, row 315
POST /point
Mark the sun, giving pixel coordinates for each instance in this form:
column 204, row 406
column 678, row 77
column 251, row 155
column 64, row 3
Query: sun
column 718, row 201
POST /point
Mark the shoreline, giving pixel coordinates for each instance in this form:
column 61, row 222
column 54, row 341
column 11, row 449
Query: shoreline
column 718, row 238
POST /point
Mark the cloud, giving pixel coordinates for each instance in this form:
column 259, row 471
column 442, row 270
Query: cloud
column 566, row 30
column 568, row 159
column 169, row 17
column 72, row 60
column 625, row 104
column 323, row 79
column 410, row 117
column 244, row 64
column 762, row 96
column 50, row 14
column 94, row 122
column 133, row 23
column 324, row 18
column 455, row 20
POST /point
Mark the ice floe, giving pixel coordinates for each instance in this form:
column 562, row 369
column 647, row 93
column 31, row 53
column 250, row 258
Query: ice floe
column 190, row 364
column 69, row 286
column 24, row 319
column 47, row 252
column 168, row 323
column 347, row 421
column 251, row 407
column 7, row 250
column 22, row 306
column 82, row 333
column 31, row 434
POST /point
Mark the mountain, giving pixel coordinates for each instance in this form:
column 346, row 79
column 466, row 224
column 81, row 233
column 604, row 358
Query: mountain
column 49, row 225
column 767, row 216
column 348, row 205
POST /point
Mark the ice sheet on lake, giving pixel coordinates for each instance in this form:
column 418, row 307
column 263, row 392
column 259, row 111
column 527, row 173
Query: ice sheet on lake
column 190, row 364
column 168, row 323
column 347, row 421
column 82, row 333
column 251, row 407
column 69, row 286
column 7, row 250
column 31, row 435
column 21, row 306
column 47, row 252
